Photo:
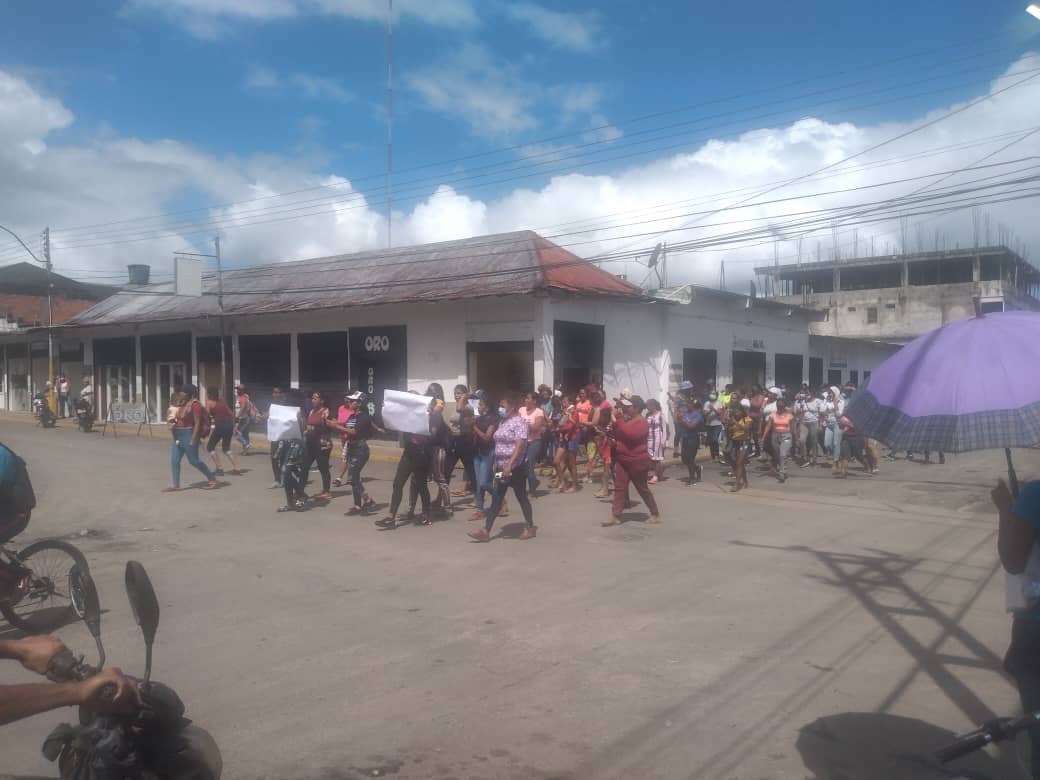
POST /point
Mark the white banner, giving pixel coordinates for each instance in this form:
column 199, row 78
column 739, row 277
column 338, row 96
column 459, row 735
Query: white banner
column 406, row 412
column 282, row 423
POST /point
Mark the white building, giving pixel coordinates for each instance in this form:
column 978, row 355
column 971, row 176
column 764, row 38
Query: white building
column 501, row 312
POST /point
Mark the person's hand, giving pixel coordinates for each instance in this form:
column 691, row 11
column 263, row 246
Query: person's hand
column 1001, row 496
column 36, row 652
column 126, row 699
column 506, row 474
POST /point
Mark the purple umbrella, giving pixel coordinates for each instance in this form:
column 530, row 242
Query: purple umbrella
column 970, row 385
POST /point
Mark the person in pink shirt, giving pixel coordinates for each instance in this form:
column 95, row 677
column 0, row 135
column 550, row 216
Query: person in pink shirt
column 343, row 415
column 533, row 414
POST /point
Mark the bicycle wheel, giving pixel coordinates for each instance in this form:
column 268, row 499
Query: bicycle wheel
column 51, row 596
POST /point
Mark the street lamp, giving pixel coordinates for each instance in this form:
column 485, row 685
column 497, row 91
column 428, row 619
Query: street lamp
column 50, row 315
column 1034, row 10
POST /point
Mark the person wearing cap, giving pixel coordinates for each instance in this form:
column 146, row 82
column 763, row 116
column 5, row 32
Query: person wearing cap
column 629, row 431
column 343, row 415
column 357, row 429
column 655, row 438
column 689, row 421
column 245, row 416
column 187, row 433
column 738, row 429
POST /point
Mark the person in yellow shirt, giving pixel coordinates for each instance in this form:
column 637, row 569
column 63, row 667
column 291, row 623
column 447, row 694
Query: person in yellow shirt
column 726, row 396
column 738, row 429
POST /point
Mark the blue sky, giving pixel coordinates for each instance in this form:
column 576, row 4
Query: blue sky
column 300, row 84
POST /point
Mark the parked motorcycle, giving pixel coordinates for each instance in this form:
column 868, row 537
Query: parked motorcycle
column 85, row 417
column 42, row 412
column 157, row 741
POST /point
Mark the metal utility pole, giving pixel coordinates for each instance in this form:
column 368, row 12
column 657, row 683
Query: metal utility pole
column 52, row 400
column 220, row 318
column 389, row 123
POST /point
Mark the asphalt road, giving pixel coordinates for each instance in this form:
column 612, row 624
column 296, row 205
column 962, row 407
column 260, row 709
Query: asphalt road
column 818, row 629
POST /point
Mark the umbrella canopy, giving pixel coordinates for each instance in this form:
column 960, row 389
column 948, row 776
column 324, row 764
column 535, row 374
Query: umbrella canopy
column 970, row 385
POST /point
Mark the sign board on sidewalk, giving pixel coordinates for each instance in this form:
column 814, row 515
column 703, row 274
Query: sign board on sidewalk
column 406, row 412
column 127, row 413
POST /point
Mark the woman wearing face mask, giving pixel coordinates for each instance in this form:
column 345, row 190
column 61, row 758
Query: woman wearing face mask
column 778, row 426
column 629, row 432
column 511, row 438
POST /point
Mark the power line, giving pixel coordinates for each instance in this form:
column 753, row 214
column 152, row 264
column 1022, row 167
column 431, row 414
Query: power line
column 638, row 118
column 421, row 190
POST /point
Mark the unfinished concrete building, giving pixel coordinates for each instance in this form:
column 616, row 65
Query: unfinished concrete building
column 895, row 298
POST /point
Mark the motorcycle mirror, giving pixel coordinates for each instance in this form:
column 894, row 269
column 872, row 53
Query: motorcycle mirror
column 83, row 584
column 145, row 607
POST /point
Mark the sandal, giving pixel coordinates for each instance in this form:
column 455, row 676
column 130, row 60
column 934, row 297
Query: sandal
column 171, row 489
column 337, row 482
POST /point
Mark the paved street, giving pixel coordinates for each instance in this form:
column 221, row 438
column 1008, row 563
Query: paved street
column 817, row 629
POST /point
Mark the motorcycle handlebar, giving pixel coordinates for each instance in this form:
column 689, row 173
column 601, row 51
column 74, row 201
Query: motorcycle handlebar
column 963, row 746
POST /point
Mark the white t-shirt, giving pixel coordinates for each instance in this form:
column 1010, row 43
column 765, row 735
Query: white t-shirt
column 810, row 410
column 769, row 408
column 712, row 412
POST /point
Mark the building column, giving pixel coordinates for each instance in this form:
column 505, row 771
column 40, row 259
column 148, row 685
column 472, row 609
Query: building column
column 837, row 280
column 543, row 346
column 904, row 279
column 194, row 368
column 976, row 269
column 7, row 381
column 294, row 361
column 89, row 369
column 236, row 361
column 139, row 371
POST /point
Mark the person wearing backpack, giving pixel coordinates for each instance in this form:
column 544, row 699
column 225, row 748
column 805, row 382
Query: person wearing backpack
column 17, row 498
column 191, row 425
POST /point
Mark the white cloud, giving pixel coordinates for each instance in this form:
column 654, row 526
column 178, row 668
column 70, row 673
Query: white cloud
column 562, row 29
column 492, row 99
column 306, row 85
column 114, row 178
column 210, row 19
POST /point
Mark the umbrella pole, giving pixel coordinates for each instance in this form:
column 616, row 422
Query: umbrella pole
column 1012, row 476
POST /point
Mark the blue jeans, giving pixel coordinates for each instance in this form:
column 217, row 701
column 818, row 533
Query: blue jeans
column 534, row 453
column 484, row 466
column 182, row 446
column 832, row 441
column 242, row 434
column 357, row 457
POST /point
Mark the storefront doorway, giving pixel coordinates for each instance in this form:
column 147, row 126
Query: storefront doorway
column 501, row 367
column 749, row 368
column 162, row 379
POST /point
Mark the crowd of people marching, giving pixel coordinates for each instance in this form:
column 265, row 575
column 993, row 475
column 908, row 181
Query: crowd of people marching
column 513, row 442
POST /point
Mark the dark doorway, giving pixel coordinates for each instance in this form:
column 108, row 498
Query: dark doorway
column 700, row 366
column 749, row 368
column 815, row 372
column 578, row 358
column 324, row 366
column 378, row 361
column 854, row 378
column 788, row 370
column 834, row 377
column 501, row 366
column 264, row 362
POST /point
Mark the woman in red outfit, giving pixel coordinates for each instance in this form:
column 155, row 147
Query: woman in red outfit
column 629, row 432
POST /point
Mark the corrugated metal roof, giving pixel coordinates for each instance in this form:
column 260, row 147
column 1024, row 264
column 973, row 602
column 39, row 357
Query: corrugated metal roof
column 517, row 263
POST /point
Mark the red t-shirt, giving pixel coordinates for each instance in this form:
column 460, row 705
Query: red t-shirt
column 631, row 436
column 188, row 414
column 221, row 412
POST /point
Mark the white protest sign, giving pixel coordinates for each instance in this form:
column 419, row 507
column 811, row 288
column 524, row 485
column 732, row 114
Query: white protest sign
column 406, row 412
column 282, row 423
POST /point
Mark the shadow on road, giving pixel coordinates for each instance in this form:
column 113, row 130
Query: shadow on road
column 878, row 746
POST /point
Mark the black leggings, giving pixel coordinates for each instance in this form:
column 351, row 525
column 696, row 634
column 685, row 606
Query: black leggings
column 413, row 462
column 689, row 456
column 316, row 454
column 468, row 474
column 518, row 481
